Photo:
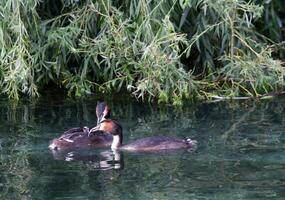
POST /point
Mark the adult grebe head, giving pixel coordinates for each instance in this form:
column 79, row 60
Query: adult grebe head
column 102, row 111
column 107, row 125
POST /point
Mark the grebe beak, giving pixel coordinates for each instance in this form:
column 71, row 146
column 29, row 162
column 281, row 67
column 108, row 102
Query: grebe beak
column 93, row 129
column 100, row 118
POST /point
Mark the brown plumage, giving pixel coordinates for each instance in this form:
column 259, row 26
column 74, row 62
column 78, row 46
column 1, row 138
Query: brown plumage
column 98, row 137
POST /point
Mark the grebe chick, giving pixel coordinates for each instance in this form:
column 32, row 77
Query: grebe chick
column 151, row 144
column 83, row 137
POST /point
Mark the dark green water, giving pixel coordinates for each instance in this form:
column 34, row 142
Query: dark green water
column 240, row 152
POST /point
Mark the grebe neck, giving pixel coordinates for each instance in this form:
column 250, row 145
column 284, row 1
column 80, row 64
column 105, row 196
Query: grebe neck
column 117, row 142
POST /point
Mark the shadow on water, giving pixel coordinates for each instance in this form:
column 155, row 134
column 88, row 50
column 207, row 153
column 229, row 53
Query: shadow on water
column 240, row 151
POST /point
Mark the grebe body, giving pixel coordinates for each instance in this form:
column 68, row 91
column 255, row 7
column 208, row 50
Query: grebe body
column 83, row 138
column 158, row 143
column 150, row 144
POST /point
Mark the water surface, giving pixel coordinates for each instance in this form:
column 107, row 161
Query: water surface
column 240, row 152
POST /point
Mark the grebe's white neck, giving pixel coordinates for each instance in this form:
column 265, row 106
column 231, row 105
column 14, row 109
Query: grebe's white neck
column 116, row 142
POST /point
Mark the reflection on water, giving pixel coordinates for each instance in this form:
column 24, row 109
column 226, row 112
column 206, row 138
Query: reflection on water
column 240, row 152
column 104, row 160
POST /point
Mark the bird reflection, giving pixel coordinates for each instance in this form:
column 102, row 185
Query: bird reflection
column 104, row 160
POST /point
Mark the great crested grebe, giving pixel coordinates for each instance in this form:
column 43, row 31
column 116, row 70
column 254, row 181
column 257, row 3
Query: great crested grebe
column 152, row 144
column 98, row 137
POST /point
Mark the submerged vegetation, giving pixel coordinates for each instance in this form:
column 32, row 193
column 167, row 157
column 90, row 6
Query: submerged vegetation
column 165, row 50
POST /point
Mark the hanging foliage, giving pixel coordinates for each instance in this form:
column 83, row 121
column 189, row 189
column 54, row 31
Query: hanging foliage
column 156, row 50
